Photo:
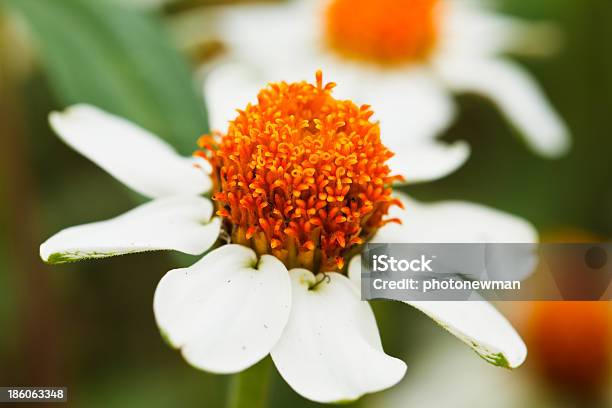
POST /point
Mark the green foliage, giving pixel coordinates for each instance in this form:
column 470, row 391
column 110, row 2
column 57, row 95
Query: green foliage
column 104, row 53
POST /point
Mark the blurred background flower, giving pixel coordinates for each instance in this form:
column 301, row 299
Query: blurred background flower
column 86, row 325
column 404, row 57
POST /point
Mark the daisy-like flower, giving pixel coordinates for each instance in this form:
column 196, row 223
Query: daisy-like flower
column 300, row 181
column 405, row 57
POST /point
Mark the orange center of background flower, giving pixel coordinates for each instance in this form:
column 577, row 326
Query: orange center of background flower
column 301, row 175
column 383, row 31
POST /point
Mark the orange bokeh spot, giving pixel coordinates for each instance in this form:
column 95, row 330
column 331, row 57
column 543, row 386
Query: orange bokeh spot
column 301, row 175
column 570, row 343
column 383, row 31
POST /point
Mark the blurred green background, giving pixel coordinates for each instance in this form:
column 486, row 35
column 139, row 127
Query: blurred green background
column 90, row 326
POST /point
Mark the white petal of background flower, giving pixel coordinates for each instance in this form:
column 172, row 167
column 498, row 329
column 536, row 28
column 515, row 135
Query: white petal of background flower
column 410, row 103
column 181, row 223
column 228, row 88
column 267, row 31
column 129, row 153
column 472, row 28
column 479, row 325
column 426, row 160
column 453, row 221
column 516, row 94
column 226, row 311
column 331, row 350
column 413, row 109
column 471, row 36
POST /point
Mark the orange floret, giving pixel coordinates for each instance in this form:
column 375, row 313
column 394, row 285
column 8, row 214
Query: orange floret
column 301, row 175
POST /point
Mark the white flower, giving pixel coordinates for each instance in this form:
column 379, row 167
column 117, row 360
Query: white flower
column 403, row 57
column 260, row 296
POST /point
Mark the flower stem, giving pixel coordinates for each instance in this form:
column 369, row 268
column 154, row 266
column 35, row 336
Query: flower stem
column 249, row 389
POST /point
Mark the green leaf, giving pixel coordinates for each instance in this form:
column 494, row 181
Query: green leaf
column 119, row 59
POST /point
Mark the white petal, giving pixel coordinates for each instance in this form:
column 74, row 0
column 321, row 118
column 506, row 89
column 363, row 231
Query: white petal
column 469, row 27
column 330, row 350
column 410, row 103
column 480, row 326
column 518, row 96
column 129, row 153
column 178, row 223
column 413, row 109
column 227, row 311
column 228, row 88
column 453, row 221
column 426, row 160
column 354, row 272
column 266, row 33
column 475, row 322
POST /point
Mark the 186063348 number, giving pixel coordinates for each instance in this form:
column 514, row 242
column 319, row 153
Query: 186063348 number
column 33, row 394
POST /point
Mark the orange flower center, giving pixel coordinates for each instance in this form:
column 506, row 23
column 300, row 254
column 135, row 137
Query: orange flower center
column 301, row 175
column 383, row 31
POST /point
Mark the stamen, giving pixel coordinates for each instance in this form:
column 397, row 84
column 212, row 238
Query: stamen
column 301, row 175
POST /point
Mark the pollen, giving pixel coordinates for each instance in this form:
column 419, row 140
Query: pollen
column 301, row 175
column 382, row 31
